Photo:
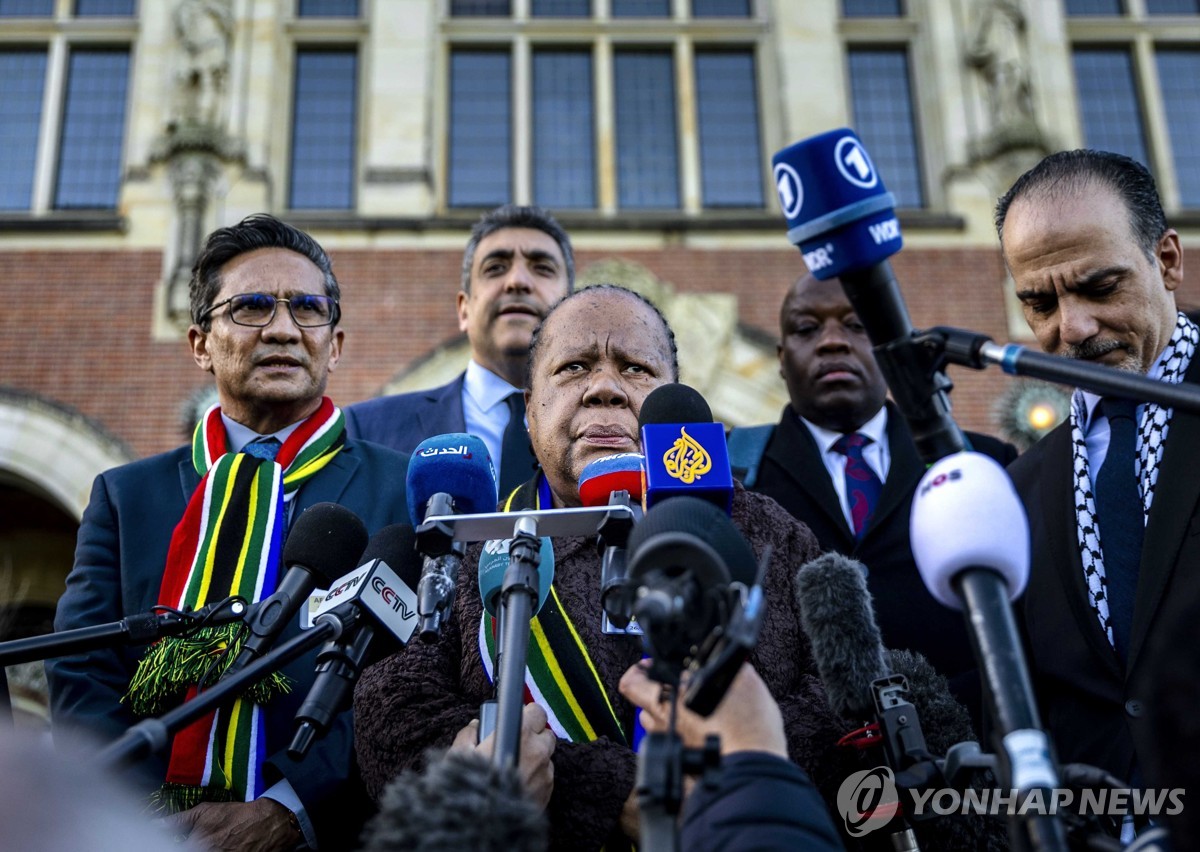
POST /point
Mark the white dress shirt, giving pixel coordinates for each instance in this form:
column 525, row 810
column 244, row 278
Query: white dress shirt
column 876, row 454
column 484, row 408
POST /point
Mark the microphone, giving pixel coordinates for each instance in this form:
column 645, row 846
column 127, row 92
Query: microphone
column 377, row 594
column 685, row 450
column 447, row 474
column 970, row 540
column 494, row 561
column 615, row 479
column 460, row 801
column 841, row 218
column 324, row 543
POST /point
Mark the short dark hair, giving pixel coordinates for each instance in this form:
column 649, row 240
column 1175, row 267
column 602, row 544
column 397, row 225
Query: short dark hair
column 514, row 216
column 593, row 288
column 254, row 232
column 1070, row 171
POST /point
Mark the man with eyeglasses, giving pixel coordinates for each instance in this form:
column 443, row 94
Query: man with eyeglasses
column 192, row 526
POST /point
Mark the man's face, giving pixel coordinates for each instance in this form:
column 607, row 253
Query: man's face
column 599, row 356
column 516, row 275
column 825, row 357
column 269, row 377
column 1087, row 289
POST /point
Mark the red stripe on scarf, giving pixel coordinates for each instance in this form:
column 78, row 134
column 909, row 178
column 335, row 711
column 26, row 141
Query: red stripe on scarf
column 296, row 441
column 189, row 752
column 214, row 436
column 181, row 553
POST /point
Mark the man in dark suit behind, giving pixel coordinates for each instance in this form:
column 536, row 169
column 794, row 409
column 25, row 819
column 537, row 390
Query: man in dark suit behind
column 518, row 262
column 1114, row 546
column 265, row 306
column 839, row 400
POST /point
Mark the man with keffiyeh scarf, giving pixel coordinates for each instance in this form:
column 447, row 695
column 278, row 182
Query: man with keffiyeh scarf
column 265, row 308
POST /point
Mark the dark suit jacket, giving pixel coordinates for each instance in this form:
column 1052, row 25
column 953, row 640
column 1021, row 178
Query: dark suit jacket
column 794, row 474
column 119, row 558
column 404, row 420
column 1093, row 706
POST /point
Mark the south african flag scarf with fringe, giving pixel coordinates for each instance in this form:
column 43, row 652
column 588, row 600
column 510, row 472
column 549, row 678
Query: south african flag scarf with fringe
column 228, row 543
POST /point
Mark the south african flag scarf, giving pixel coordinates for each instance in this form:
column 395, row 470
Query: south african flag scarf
column 228, row 543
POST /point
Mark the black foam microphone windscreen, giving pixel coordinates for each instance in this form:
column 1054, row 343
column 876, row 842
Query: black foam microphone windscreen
column 327, row 539
column 674, row 403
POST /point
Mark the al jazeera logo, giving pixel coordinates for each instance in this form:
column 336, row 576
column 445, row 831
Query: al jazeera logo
column 687, row 460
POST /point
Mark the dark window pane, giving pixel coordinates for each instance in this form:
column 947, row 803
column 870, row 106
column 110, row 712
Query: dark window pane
column 1108, row 102
column 727, row 112
column 1094, row 7
column 327, row 9
column 480, row 129
column 22, row 80
column 26, row 8
column 561, row 8
column 476, row 8
column 883, row 117
column 324, row 121
column 647, row 152
column 105, row 8
column 564, row 161
column 93, row 129
column 641, row 8
column 872, row 8
column 1173, row 7
column 1178, row 71
column 720, row 8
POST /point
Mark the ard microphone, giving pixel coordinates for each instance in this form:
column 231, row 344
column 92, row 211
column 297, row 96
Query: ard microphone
column 842, row 219
column 447, row 474
column 375, row 598
column 460, row 802
column 970, row 540
column 615, row 479
column 324, row 543
column 685, row 450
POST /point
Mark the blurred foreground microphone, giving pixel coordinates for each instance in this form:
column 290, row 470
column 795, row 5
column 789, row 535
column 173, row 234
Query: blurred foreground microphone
column 374, row 599
column 841, row 218
column 685, row 451
column 447, row 475
column 493, row 562
column 970, row 540
column 693, row 572
column 324, row 543
column 614, row 480
column 460, row 802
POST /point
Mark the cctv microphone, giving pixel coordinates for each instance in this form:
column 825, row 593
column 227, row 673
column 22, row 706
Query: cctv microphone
column 842, row 219
column 614, row 480
column 685, row 450
column 376, row 598
column 447, row 475
column 970, row 540
column 324, row 543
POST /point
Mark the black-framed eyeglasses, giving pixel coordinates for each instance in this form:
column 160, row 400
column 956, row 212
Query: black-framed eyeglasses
column 258, row 309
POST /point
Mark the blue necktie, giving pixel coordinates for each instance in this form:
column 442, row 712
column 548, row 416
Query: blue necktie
column 263, row 448
column 863, row 487
column 1119, row 514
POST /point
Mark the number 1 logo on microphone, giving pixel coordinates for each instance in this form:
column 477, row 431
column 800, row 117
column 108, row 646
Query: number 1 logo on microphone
column 854, row 164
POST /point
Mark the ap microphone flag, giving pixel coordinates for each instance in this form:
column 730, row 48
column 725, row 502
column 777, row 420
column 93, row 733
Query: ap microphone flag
column 838, row 212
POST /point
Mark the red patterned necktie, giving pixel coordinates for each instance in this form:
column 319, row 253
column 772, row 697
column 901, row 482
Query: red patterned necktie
column 862, row 485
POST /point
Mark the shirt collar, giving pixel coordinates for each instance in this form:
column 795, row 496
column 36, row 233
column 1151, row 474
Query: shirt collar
column 238, row 436
column 485, row 387
column 875, row 429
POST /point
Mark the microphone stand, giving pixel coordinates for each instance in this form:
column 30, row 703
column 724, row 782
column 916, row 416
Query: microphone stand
column 137, row 629
column 978, row 351
column 152, row 735
column 518, row 596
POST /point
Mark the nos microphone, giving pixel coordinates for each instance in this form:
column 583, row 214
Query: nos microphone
column 970, row 540
column 685, row 451
column 841, row 217
column 375, row 598
column 324, row 543
column 447, row 474
column 615, row 479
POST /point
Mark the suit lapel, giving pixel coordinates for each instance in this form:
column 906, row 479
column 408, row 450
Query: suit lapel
column 1175, row 496
column 797, row 454
column 330, row 484
column 188, row 478
column 904, row 470
column 443, row 411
